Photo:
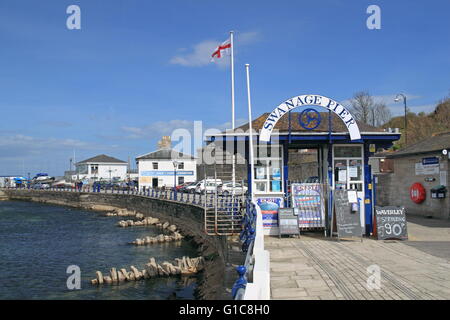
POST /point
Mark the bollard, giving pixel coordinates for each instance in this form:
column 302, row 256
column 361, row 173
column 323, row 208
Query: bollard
column 241, row 282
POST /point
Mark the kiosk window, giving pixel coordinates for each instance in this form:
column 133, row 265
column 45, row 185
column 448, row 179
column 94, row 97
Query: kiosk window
column 268, row 175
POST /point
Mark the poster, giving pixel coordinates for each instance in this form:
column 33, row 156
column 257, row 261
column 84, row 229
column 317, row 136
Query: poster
column 276, row 186
column 276, row 173
column 269, row 210
column 352, row 172
column 342, row 175
column 260, row 173
column 307, row 199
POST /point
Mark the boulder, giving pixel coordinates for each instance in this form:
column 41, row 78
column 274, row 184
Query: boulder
column 120, row 276
column 165, row 225
column 125, row 274
column 99, row 277
column 172, row 228
column 107, row 279
column 113, row 273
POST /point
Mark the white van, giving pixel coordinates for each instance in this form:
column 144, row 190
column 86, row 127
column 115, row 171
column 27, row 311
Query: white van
column 208, row 185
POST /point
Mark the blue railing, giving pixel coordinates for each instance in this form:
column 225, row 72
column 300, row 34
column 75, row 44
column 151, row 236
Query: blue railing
column 247, row 238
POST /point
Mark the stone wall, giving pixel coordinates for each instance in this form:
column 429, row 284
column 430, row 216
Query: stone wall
column 189, row 219
column 393, row 188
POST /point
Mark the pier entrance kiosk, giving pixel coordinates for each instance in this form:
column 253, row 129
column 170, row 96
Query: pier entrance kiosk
column 302, row 156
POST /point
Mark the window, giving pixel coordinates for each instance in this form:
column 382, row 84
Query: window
column 181, row 165
column 155, row 165
column 180, row 180
column 94, row 169
column 268, row 175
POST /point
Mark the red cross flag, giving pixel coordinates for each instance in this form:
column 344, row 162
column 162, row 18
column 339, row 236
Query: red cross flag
column 218, row 51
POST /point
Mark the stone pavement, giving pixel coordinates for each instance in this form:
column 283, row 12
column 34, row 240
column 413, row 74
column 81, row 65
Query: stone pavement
column 314, row 267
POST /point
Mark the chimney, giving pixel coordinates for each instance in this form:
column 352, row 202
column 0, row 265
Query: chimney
column 165, row 143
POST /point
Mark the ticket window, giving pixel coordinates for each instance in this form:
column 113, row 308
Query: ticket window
column 348, row 168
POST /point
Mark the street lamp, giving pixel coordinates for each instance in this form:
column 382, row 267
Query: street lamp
column 175, row 166
column 397, row 99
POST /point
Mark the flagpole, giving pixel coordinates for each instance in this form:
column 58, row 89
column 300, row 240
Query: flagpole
column 233, row 159
column 251, row 156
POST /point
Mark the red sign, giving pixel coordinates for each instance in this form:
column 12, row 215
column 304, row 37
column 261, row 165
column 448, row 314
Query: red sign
column 417, row 193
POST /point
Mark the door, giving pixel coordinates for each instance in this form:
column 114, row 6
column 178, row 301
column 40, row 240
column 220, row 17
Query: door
column 348, row 172
column 155, row 183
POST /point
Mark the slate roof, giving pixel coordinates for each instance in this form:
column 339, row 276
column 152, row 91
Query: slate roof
column 102, row 158
column 165, row 154
column 436, row 143
column 337, row 125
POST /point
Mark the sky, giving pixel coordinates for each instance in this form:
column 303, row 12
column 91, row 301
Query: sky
column 139, row 69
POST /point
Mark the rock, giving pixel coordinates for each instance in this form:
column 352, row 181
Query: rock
column 125, row 273
column 137, row 274
column 177, row 270
column 99, row 277
column 120, row 276
column 162, row 272
column 107, row 279
column 131, row 276
column 159, row 225
column 94, row 281
column 166, row 238
column 139, row 215
column 113, row 273
column 160, row 238
column 145, row 274
column 172, row 228
column 165, row 225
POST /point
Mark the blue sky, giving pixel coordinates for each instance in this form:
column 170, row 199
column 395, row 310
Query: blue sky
column 138, row 69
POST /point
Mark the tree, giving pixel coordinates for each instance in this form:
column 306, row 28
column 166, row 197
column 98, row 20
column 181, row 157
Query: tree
column 365, row 109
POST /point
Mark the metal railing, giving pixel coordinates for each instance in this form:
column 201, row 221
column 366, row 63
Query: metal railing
column 203, row 200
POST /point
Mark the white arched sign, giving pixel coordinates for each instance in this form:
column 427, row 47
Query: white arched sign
column 310, row 100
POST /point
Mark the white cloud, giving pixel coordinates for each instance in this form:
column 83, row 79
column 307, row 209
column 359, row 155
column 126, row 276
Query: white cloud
column 200, row 55
column 157, row 129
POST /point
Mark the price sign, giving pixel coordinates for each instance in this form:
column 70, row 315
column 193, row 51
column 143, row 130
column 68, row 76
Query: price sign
column 391, row 223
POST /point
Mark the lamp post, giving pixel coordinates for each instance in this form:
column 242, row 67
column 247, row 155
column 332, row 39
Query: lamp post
column 397, row 99
column 175, row 166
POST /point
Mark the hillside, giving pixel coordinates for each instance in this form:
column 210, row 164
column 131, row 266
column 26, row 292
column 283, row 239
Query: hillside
column 422, row 125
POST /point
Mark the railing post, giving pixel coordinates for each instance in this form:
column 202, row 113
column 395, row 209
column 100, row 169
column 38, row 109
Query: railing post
column 241, row 282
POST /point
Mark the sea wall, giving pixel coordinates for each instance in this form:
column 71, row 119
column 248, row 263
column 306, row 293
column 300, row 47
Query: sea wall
column 189, row 219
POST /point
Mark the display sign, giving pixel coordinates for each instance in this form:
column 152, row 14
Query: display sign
column 391, row 223
column 430, row 160
column 307, row 200
column 427, row 169
column 287, row 222
column 269, row 210
column 348, row 220
column 310, row 100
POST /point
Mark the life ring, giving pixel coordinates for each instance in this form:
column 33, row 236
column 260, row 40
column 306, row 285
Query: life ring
column 417, row 193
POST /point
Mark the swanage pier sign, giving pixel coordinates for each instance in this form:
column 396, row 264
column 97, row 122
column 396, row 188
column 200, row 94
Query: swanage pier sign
column 310, row 100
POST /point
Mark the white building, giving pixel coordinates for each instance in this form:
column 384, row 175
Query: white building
column 101, row 167
column 158, row 168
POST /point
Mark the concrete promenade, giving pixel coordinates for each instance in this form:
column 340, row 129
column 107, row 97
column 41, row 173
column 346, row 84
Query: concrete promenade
column 313, row 267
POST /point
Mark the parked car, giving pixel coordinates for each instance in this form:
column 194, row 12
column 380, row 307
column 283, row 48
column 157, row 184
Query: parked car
column 208, row 186
column 227, row 188
column 191, row 188
column 40, row 186
column 184, row 186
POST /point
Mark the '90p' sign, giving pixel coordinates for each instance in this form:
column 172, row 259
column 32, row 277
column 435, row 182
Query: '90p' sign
column 391, row 223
